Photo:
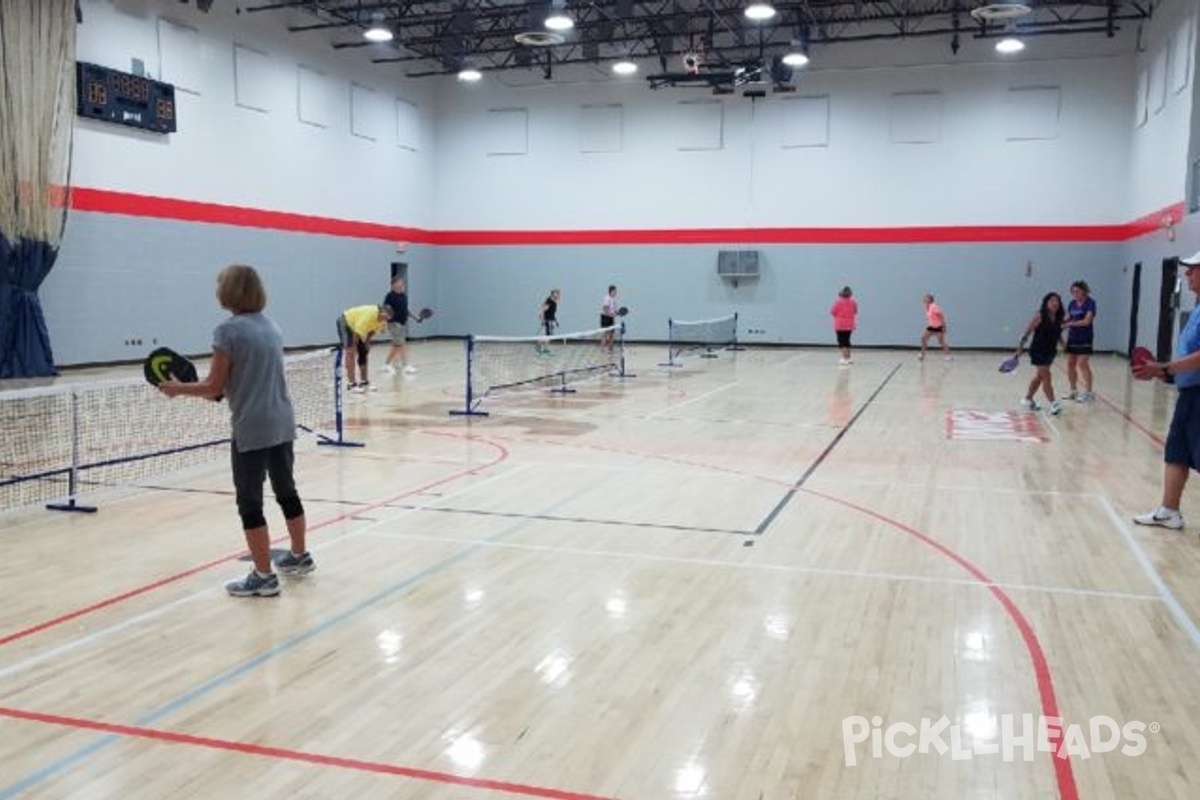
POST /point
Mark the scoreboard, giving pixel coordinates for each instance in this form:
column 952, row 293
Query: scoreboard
column 122, row 97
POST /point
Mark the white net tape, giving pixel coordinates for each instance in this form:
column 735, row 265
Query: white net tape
column 530, row 362
column 124, row 432
column 708, row 334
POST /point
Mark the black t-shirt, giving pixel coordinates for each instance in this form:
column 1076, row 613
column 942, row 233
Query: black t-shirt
column 398, row 303
column 548, row 315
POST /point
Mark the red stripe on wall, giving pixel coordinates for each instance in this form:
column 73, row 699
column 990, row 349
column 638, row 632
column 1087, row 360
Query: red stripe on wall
column 138, row 205
column 109, row 202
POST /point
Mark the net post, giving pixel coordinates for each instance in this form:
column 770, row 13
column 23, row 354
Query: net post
column 621, row 371
column 338, row 419
column 73, row 473
column 670, row 362
column 562, row 387
column 469, row 402
column 734, row 344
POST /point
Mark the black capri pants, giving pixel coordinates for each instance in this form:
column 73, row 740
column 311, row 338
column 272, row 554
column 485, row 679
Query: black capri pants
column 249, row 471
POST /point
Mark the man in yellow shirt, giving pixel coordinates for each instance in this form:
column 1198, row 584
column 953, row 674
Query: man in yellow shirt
column 355, row 327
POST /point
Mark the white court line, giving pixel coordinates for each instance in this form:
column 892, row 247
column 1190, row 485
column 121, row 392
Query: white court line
column 845, row 573
column 104, row 633
column 1164, row 592
column 951, row 487
column 697, row 398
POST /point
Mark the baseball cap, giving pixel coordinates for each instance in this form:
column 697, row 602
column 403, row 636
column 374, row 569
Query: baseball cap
column 1191, row 261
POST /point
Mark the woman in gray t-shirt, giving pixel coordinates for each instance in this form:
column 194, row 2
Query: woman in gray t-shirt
column 247, row 368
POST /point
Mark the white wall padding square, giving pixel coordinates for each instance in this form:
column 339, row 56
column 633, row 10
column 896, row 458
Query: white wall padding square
column 701, row 125
column 179, row 56
column 314, row 97
column 251, row 78
column 368, row 114
column 805, row 121
column 916, row 117
column 601, row 128
column 1032, row 112
column 408, row 126
column 507, row 131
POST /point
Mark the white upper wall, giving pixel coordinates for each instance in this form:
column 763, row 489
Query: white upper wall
column 281, row 121
column 267, row 119
column 1041, row 142
column 1164, row 85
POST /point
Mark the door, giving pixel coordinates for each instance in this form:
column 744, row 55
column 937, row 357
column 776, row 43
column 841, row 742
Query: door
column 1168, row 301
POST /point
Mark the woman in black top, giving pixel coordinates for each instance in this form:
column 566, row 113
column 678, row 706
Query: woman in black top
column 550, row 312
column 1046, row 328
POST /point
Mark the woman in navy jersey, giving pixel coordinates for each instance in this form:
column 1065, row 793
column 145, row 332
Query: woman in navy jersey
column 1081, row 312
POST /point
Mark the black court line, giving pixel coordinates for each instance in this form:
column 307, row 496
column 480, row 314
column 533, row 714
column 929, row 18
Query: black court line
column 787, row 498
column 579, row 520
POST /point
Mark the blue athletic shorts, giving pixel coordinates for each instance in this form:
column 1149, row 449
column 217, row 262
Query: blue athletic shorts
column 1183, row 438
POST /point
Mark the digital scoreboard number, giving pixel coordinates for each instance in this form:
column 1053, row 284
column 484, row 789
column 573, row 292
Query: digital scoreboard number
column 124, row 98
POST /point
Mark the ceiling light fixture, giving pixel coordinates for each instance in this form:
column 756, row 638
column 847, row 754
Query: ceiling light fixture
column 469, row 75
column 795, row 58
column 1009, row 45
column 759, row 11
column 624, row 67
column 559, row 21
column 378, row 32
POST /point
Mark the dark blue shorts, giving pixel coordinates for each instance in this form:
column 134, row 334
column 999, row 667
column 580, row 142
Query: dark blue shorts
column 1183, row 438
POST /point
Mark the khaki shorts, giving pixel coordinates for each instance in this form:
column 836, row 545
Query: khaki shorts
column 398, row 332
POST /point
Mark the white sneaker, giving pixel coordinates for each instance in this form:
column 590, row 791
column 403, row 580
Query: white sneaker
column 357, row 388
column 843, row 362
column 1055, row 408
column 389, row 369
column 1162, row 517
column 1030, row 403
column 410, row 370
column 366, row 386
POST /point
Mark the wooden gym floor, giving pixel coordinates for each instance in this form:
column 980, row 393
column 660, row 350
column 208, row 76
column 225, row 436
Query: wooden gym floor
column 754, row 577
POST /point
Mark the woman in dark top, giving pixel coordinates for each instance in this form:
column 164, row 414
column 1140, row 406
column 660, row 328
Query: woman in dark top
column 549, row 315
column 1046, row 328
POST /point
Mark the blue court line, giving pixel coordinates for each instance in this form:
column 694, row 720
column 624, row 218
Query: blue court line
column 220, row 681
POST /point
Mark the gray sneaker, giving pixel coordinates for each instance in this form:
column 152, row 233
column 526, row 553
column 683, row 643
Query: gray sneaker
column 293, row 564
column 254, row 585
column 1162, row 517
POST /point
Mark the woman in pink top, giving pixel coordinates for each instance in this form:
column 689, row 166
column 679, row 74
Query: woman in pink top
column 935, row 325
column 844, row 310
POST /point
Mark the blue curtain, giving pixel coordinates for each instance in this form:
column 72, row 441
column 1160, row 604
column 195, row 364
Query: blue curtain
column 24, row 338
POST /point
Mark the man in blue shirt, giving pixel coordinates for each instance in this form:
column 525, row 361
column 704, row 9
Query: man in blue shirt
column 1182, row 452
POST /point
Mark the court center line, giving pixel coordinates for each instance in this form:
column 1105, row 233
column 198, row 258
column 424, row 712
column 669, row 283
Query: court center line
column 1182, row 618
column 761, row 529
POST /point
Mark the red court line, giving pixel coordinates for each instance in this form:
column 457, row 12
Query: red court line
column 286, row 754
column 137, row 205
column 1151, row 435
column 178, row 576
column 1063, row 773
